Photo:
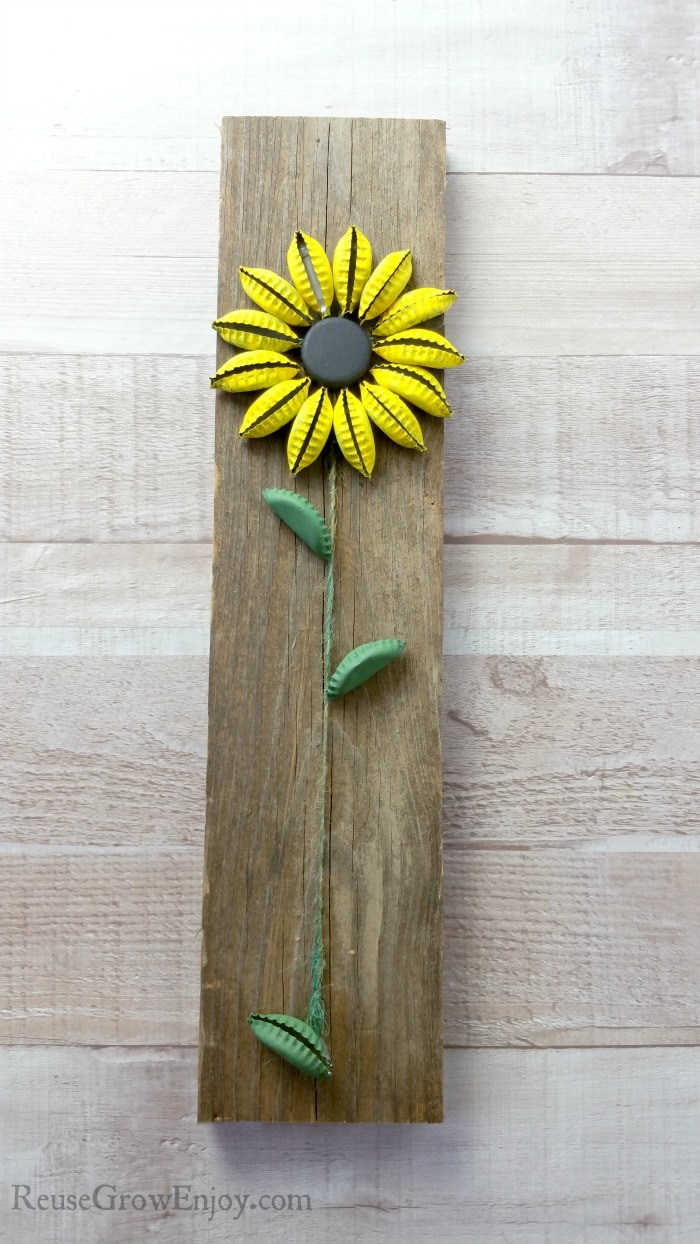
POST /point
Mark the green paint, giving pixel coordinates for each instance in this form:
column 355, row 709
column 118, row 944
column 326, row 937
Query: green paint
column 294, row 1041
column 303, row 518
column 361, row 664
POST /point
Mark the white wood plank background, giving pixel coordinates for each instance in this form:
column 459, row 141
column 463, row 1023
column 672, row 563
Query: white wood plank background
column 572, row 684
column 538, row 1147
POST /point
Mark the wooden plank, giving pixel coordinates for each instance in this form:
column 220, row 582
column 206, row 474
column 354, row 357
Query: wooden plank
column 103, row 751
column 560, row 948
column 542, row 947
column 539, row 449
column 122, row 599
column 111, row 448
column 577, row 265
column 582, row 1146
column 574, row 599
column 521, row 599
column 581, row 87
column 100, row 945
column 574, row 448
column 382, row 914
column 592, row 753
column 544, row 265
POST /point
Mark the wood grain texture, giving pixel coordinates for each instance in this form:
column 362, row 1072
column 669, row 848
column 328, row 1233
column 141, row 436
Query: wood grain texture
column 538, row 1147
column 103, row 751
column 581, row 764
column 574, row 448
column 126, row 599
column 572, row 599
column 588, row 753
column 519, row 599
column 577, row 265
column 382, row 927
column 559, row 948
column 109, row 448
column 556, row 448
column 126, row 264
column 566, row 87
column 542, row 947
column 104, row 944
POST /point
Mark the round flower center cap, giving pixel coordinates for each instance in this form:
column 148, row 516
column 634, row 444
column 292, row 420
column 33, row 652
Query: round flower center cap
column 336, row 352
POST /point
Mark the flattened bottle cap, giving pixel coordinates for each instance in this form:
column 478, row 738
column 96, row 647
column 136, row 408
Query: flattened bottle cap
column 336, row 352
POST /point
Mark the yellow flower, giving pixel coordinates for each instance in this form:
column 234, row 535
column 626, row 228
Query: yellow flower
column 337, row 349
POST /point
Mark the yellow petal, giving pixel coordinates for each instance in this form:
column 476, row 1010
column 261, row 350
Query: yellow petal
column 416, row 385
column 392, row 415
column 275, row 407
column 275, row 295
column 418, row 345
column 385, row 284
column 352, row 264
column 413, row 308
column 353, row 432
column 254, row 369
column 310, row 431
column 256, row 330
column 311, row 272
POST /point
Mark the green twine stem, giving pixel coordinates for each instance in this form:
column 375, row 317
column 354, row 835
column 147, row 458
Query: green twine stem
column 316, row 1011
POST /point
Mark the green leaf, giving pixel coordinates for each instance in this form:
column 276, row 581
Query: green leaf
column 294, row 1040
column 303, row 518
column 361, row 664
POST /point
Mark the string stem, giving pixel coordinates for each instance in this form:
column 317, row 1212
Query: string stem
column 316, row 1011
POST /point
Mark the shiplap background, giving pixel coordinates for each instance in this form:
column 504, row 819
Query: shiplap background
column 572, row 688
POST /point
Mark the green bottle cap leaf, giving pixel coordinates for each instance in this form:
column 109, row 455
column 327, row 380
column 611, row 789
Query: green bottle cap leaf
column 361, row 664
column 303, row 518
column 294, row 1040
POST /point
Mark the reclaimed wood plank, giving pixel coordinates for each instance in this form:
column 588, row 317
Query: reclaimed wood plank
column 121, row 447
column 586, row 1146
column 382, row 915
column 563, row 88
column 543, row 265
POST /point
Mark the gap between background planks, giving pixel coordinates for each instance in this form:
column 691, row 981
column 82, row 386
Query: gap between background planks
column 120, row 448
column 550, row 1145
column 576, row 87
column 544, row 265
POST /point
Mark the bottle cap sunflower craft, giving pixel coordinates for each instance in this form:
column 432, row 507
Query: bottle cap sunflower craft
column 339, row 349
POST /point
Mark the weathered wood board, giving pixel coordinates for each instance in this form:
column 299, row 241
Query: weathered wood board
column 383, row 905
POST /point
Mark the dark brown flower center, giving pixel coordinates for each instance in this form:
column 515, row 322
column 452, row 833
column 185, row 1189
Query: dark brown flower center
column 336, row 352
